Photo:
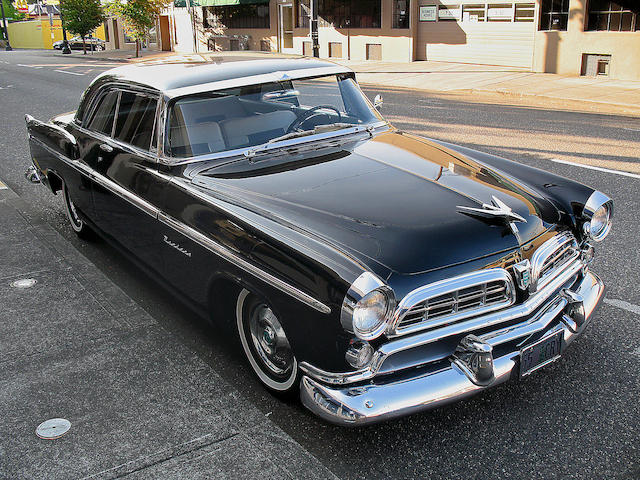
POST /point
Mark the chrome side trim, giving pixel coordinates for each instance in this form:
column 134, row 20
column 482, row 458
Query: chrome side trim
column 190, row 232
column 443, row 287
column 406, row 343
column 103, row 181
column 235, row 259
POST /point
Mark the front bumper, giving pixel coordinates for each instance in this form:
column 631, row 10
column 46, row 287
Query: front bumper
column 569, row 312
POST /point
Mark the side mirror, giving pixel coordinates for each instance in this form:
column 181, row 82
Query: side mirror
column 377, row 102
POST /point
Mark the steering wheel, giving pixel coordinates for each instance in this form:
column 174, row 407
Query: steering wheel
column 307, row 114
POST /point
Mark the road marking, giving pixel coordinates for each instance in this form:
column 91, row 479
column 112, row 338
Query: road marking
column 631, row 129
column 23, row 65
column 70, row 73
column 600, row 169
column 8, row 86
column 629, row 307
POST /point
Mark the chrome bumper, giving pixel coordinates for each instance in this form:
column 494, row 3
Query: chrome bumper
column 569, row 312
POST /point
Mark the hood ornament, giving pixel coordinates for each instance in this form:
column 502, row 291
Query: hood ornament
column 497, row 209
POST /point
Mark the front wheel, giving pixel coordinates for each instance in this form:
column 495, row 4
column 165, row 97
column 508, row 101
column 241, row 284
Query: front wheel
column 265, row 344
column 79, row 226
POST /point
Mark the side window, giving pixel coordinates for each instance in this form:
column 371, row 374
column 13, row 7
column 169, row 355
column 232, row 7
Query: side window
column 136, row 119
column 102, row 120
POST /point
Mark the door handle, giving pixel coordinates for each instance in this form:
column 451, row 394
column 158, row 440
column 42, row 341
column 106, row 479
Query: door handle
column 105, row 147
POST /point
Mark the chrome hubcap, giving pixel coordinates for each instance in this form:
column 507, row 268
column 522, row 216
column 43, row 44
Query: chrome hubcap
column 270, row 341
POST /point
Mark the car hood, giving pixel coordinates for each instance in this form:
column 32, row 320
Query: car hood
column 391, row 200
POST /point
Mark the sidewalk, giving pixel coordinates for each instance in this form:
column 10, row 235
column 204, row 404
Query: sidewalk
column 459, row 77
column 442, row 77
column 75, row 346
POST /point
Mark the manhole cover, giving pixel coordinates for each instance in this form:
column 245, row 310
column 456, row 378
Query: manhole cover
column 24, row 283
column 54, row 428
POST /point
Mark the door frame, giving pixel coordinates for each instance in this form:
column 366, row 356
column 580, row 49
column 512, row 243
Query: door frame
column 281, row 48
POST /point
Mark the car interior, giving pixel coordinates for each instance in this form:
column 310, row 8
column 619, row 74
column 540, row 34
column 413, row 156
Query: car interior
column 242, row 117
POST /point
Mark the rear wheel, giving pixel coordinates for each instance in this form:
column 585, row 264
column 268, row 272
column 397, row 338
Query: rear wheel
column 79, row 226
column 265, row 344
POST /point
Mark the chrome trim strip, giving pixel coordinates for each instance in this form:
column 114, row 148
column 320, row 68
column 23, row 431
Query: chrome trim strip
column 233, row 258
column 103, row 181
column 443, row 287
column 405, row 343
column 190, row 232
column 372, row 402
column 596, row 200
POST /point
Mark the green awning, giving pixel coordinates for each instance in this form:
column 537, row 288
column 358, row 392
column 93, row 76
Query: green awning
column 217, row 3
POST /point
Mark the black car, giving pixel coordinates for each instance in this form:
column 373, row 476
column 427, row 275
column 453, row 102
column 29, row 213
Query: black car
column 378, row 272
column 75, row 43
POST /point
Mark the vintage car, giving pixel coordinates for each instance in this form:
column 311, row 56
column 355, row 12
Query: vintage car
column 375, row 272
column 75, row 43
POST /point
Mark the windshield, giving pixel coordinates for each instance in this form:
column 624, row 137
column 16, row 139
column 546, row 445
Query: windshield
column 244, row 117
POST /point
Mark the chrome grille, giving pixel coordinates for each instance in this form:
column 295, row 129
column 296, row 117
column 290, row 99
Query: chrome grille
column 551, row 258
column 454, row 299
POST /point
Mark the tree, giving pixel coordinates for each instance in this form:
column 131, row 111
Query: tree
column 11, row 13
column 139, row 16
column 81, row 17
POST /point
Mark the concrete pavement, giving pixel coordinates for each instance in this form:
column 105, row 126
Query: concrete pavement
column 140, row 403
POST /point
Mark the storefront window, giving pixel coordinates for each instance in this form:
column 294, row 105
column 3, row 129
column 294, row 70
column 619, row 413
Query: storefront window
column 554, row 15
column 237, row 16
column 500, row 12
column 400, row 14
column 448, row 13
column 525, row 12
column 611, row 16
column 304, row 10
column 474, row 12
column 349, row 13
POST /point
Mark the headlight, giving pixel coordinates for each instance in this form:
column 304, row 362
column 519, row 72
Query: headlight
column 598, row 212
column 367, row 307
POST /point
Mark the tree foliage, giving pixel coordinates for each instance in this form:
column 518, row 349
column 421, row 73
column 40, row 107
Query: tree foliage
column 81, row 17
column 139, row 16
column 10, row 12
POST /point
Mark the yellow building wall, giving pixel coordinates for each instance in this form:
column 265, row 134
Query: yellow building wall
column 37, row 33
column 25, row 34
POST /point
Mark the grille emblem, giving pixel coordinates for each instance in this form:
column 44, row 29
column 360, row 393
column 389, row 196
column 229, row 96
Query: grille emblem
column 522, row 272
column 497, row 209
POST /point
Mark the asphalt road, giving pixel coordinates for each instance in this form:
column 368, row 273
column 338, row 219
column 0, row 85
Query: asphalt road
column 577, row 418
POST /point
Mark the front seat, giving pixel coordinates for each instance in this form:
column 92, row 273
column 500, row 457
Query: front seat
column 257, row 129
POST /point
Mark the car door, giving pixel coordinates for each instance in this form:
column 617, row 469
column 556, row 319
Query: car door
column 126, row 192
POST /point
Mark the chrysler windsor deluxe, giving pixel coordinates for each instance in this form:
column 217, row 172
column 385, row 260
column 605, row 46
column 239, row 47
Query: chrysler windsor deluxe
column 375, row 272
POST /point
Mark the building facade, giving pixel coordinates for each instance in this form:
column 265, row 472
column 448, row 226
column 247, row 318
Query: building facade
column 580, row 37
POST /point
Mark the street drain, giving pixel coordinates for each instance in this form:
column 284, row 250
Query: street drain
column 54, row 428
column 24, row 283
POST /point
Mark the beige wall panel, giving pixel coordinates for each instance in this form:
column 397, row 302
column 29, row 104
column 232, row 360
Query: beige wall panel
column 490, row 43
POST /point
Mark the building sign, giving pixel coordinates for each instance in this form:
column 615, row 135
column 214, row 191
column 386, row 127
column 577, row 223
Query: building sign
column 449, row 13
column 428, row 13
column 21, row 6
column 500, row 13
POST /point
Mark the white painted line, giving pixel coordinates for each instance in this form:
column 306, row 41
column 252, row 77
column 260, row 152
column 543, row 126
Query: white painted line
column 70, row 73
column 631, row 129
column 600, row 169
column 23, row 65
column 629, row 307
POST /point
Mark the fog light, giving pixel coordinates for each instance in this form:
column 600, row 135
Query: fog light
column 359, row 354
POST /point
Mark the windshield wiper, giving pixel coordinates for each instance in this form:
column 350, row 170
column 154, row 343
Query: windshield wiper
column 317, row 129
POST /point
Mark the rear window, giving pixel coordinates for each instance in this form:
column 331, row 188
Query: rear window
column 102, row 120
column 136, row 119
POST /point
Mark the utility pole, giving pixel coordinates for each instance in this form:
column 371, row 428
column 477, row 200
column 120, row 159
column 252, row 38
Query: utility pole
column 6, row 31
column 65, row 44
column 314, row 28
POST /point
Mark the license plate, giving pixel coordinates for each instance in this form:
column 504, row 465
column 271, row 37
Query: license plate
column 540, row 353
